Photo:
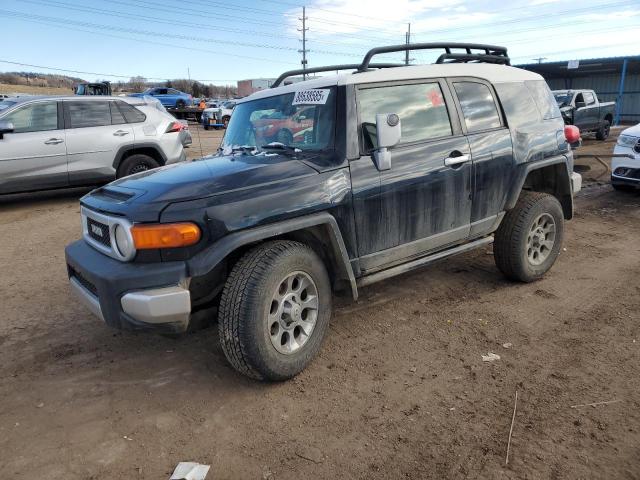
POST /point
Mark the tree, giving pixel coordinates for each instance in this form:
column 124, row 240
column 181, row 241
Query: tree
column 137, row 83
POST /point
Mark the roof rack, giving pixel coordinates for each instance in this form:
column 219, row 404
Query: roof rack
column 331, row 68
column 482, row 54
column 487, row 54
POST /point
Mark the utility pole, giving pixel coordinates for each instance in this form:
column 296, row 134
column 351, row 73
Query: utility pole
column 408, row 41
column 540, row 59
column 304, row 41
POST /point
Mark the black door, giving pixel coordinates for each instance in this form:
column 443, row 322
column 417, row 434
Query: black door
column 423, row 202
column 491, row 151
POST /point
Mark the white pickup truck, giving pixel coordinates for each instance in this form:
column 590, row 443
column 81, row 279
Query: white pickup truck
column 218, row 117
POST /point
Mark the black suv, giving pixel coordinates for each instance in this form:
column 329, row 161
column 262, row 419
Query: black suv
column 385, row 169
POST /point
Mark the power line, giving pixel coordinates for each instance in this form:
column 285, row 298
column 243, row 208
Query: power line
column 81, row 72
column 170, row 45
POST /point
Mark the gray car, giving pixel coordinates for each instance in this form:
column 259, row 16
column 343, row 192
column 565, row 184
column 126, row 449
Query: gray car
column 53, row 142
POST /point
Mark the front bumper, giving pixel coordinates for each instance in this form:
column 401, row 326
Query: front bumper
column 130, row 296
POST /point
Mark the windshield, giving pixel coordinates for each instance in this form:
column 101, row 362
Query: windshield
column 563, row 98
column 280, row 119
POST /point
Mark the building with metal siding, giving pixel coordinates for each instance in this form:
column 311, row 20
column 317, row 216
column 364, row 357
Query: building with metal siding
column 613, row 79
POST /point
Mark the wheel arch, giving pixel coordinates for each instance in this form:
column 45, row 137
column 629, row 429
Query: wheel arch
column 139, row 148
column 548, row 176
column 319, row 231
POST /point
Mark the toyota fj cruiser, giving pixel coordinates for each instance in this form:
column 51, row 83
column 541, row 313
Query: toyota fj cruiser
column 398, row 167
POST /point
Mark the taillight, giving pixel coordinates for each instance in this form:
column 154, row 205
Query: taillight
column 174, row 127
column 572, row 133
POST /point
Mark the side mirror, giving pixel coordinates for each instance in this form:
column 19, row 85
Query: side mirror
column 580, row 104
column 6, row 127
column 388, row 134
column 301, row 118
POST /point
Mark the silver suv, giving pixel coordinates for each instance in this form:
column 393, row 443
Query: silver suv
column 53, row 142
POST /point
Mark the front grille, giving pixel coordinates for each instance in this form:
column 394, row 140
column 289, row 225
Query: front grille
column 83, row 281
column 634, row 173
column 99, row 232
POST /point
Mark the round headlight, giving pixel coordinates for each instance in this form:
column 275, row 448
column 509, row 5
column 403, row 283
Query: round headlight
column 123, row 241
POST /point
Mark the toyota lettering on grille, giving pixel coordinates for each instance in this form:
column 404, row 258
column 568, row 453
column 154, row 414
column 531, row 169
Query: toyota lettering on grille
column 97, row 230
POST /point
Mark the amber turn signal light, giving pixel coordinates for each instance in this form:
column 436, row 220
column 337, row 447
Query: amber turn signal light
column 168, row 235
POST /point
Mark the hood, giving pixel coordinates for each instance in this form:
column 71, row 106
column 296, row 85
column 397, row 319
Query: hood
column 142, row 196
column 632, row 131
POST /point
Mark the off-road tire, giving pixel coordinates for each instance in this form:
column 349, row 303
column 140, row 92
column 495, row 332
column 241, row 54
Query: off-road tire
column 135, row 164
column 603, row 132
column 243, row 318
column 510, row 249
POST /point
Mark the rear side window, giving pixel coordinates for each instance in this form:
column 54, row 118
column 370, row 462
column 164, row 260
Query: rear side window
column 131, row 113
column 421, row 108
column 518, row 104
column 117, row 118
column 88, row 114
column 544, row 99
column 478, row 106
column 35, row 117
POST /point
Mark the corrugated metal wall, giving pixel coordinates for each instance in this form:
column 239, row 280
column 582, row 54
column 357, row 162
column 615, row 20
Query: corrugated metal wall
column 606, row 86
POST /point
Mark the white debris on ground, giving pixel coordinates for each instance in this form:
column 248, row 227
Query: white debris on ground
column 190, row 471
column 491, row 357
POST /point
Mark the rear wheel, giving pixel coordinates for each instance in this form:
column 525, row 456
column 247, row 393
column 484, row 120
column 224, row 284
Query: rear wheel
column 275, row 310
column 135, row 164
column 181, row 104
column 529, row 239
column 603, row 132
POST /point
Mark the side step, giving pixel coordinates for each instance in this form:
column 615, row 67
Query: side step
column 421, row 262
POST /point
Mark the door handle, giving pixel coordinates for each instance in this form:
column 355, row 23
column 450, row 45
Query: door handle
column 120, row 133
column 53, row 141
column 453, row 161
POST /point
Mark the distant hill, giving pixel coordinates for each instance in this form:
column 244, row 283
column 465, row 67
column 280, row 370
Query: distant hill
column 42, row 80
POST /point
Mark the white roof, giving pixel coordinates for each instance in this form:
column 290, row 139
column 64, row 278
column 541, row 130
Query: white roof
column 486, row 71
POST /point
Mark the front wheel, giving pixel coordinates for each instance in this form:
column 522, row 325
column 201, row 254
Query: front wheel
column 529, row 239
column 275, row 310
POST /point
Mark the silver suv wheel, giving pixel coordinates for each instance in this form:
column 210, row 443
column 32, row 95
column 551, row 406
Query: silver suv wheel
column 293, row 312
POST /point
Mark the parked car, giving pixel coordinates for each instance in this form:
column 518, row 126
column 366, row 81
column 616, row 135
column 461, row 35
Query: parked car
column 625, row 172
column 218, row 117
column 169, row 97
column 53, row 142
column 401, row 167
column 287, row 129
column 583, row 109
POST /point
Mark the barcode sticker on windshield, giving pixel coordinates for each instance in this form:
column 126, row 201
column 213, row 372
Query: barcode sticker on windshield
column 311, row 97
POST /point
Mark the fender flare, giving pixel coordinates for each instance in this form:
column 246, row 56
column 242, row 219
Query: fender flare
column 207, row 260
column 524, row 171
column 137, row 146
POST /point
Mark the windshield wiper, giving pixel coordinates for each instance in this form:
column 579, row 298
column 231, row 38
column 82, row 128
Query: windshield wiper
column 281, row 147
column 245, row 149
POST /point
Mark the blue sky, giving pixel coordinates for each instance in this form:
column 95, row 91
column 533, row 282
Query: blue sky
column 227, row 40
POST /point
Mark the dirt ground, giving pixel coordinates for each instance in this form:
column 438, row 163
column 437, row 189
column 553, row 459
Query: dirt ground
column 399, row 390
